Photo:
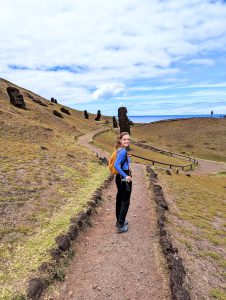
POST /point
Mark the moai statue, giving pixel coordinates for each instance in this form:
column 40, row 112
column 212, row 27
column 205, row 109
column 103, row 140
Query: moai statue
column 53, row 100
column 115, row 123
column 131, row 123
column 86, row 114
column 98, row 116
column 16, row 98
column 124, row 122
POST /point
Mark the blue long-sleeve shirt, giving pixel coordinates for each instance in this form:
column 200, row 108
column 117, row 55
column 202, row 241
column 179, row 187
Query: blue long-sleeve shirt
column 121, row 155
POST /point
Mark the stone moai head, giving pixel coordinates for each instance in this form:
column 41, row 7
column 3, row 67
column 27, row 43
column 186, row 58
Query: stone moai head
column 115, row 123
column 98, row 116
column 124, row 122
column 16, row 98
column 86, row 115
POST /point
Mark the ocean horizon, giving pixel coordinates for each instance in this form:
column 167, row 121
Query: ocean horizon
column 154, row 118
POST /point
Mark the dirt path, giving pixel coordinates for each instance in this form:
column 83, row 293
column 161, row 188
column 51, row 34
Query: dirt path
column 113, row 266
column 207, row 167
column 85, row 139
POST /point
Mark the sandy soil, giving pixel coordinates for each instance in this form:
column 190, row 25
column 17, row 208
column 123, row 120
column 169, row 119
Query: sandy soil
column 109, row 265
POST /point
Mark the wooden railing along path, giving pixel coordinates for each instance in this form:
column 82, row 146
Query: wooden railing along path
column 173, row 154
column 187, row 167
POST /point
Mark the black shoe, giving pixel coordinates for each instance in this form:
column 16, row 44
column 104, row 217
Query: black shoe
column 123, row 228
column 117, row 223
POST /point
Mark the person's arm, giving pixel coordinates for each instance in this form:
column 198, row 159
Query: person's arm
column 121, row 154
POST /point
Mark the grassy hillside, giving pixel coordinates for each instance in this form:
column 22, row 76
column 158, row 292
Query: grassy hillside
column 107, row 140
column 198, row 137
column 196, row 219
column 43, row 175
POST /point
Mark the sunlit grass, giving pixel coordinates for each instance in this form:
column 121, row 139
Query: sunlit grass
column 197, row 219
column 29, row 254
column 218, row 294
column 106, row 141
column 199, row 137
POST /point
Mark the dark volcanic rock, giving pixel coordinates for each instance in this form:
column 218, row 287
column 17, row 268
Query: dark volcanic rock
column 103, row 160
column 58, row 114
column 55, row 253
column 168, row 172
column 16, row 98
column 29, row 95
column 44, row 148
column 73, row 231
column 35, row 288
column 39, row 102
column 63, row 242
column 65, row 110
column 176, row 269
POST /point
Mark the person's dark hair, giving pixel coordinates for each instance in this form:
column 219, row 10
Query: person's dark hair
column 118, row 143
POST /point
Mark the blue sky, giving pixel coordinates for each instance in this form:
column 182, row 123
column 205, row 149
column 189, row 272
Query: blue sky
column 154, row 57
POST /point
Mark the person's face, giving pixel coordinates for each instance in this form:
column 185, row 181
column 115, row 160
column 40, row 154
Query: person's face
column 125, row 140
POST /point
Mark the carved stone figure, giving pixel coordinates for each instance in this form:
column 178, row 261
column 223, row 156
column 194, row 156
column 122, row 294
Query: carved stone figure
column 115, row 123
column 16, row 98
column 98, row 116
column 86, row 114
column 124, row 122
column 53, row 100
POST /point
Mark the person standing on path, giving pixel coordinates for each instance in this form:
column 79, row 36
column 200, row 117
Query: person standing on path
column 123, row 181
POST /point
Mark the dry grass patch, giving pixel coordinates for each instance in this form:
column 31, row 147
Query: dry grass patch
column 41, row 192
column 46, row 178
column 196, row 220
column 107, row 140
column 199, row 137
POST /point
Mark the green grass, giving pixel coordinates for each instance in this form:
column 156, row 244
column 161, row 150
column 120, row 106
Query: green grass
column 223, row 173
column 218, row 294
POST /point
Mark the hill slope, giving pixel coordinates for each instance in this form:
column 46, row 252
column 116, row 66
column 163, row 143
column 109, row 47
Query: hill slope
column 43, row 175
column 197, row 137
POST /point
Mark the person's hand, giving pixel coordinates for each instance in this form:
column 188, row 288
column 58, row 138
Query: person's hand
column 128, row 178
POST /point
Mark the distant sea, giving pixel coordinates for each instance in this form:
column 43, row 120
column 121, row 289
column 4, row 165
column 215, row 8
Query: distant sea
column 148, row 119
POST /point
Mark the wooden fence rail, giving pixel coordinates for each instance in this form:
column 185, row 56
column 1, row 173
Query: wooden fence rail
column 189, row 166
column 173, row 154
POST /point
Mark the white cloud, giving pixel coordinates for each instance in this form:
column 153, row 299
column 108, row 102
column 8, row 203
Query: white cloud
column 205, row 62
column 108, row 90
column 111, row 43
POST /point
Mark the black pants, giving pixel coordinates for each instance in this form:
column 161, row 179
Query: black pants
column 122, row 198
